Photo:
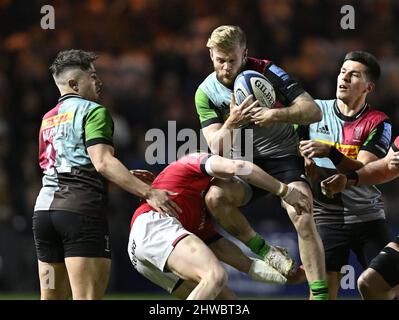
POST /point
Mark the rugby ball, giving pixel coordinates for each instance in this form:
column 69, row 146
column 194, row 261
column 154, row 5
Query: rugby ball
column 255, row 83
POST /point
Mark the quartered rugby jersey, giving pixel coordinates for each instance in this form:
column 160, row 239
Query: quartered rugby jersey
column 368, row 130
column 212, row 101
column 187, row 177
column 70, row 181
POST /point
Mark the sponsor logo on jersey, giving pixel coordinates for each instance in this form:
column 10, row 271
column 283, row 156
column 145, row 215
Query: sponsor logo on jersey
column 57, row 120
column 358, row 133
column 323, row 130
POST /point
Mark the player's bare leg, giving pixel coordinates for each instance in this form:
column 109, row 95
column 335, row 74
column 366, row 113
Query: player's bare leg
column 310, row 245
column 258, row 270
column 88, row 277
column 333, row 280
column 223, row 199
column 184, row 290
column 54, row 282
column 192, row 260
column 372, row 285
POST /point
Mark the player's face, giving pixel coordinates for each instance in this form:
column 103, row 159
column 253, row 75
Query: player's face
column 352, row 82
column 228, row 64
column 90, row 84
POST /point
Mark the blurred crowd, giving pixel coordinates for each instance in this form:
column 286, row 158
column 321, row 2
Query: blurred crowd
column 152, row 58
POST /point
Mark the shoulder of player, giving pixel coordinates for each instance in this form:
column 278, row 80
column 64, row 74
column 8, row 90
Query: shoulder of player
column 209, row 80
column 375, row 115
column 258, row 65
column 325, row 104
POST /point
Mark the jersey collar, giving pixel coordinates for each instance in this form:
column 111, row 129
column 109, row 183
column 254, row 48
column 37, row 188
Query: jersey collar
column 67, row 96
column 351, row 118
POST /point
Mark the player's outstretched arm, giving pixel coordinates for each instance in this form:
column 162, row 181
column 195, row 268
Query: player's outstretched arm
column 376, row 172
column 315, row 149
column 226, row 168
column 303, row 110
column 102, row 157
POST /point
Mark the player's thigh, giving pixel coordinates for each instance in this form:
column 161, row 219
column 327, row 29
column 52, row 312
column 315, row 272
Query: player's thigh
column 54, row 282
column 88, row 276
column 191, row 259
column 336, row 239
column 383, row 271
column 87, row 253
column 234, row 191
column 48, row 241
column 184, row 288
column 373, row 236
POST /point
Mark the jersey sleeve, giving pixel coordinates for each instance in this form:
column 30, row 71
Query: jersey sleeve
column 379, row 139
column 205, row 109
column 196, row 162
column 287, row 89
column 99, row 127
column 395, row 144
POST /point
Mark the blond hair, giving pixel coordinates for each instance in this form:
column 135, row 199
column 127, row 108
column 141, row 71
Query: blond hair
column 227, row 37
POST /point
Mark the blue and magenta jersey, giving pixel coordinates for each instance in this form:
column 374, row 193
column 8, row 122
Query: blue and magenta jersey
column 368, row 130
column 70, row 181
column 187, row 177
column 212, row 101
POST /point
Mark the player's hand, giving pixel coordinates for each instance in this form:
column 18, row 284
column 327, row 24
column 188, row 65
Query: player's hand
column 241, row 115
column 310, row 169
column 144, row 175
column 298, row 200
column 313, row 149
column 160, row 201
column 298, row 277
column 393, row 162
column 333, row 185
column 263, row 117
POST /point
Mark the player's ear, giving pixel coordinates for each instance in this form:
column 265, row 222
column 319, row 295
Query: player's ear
column 245, row 55
column 370, row 87
column 211, row 53
column 73, row 84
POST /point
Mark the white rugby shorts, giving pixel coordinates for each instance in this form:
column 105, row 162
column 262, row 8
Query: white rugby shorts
column 151, row 240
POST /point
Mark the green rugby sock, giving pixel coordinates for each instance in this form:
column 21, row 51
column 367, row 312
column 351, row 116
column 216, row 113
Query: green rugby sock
column 319, row 289
column 258, row 245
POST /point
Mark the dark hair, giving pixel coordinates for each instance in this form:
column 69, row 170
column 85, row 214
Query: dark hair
column 72, row 58
column 373, row 67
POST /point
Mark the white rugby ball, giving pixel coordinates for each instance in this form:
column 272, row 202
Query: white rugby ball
column 252, row 82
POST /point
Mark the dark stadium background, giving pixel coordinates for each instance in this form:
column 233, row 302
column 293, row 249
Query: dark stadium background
column 153, row 56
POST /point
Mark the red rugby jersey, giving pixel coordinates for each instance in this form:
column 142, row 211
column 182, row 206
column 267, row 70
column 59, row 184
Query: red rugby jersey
column 187, row 177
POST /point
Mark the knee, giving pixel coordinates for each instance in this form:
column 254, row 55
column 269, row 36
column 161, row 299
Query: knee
column 217, row 275
column 304, row 225
column 216, row 197
column 363, row 284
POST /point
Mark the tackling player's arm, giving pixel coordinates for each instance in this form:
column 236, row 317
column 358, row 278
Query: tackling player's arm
column 98, row 137
column 226, row 168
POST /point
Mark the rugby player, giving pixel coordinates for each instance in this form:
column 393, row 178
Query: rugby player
column 275, row 147
column 77, row 157
column 381, row 279
column 173, row 252
column 351, row 134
